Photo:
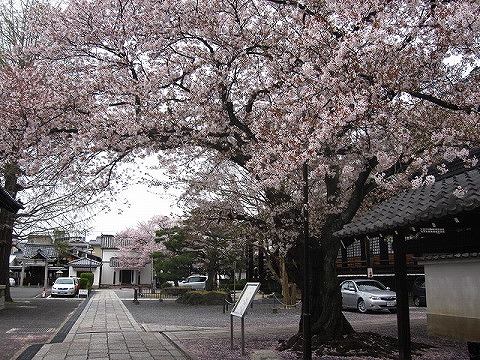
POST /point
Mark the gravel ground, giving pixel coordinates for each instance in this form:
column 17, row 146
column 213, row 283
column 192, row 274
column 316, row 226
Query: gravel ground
column 266, row 329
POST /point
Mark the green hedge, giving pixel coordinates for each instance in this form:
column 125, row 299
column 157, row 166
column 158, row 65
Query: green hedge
column 239, row 285
column 202, row 297
column 88, row 276
column 83, row 283
column 175, row 290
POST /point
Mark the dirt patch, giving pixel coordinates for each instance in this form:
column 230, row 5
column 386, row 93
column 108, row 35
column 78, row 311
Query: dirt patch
column 360, row 344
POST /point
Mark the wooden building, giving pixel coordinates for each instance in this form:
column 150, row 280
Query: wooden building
column 436, row 224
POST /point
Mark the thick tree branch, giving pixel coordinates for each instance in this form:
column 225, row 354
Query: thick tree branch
column 439, row 102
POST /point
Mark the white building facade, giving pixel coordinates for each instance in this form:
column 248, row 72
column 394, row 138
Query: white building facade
column 112, row 272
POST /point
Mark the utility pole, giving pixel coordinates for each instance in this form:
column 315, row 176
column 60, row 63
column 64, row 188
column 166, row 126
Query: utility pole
column 307, row 330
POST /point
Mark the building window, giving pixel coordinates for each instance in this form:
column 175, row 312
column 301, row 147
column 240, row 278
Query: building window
column 375, row 246
column 357, row 248
column 114, row 262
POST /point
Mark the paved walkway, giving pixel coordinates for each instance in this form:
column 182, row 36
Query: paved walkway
column 107, row 330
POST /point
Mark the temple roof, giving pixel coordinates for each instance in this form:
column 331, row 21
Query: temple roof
column 447, row 196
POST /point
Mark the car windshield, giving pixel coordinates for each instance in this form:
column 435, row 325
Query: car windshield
column 370, row 285
column 64, row 281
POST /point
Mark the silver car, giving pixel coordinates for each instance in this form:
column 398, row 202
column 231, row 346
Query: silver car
column 367, row 294
column 196, row 282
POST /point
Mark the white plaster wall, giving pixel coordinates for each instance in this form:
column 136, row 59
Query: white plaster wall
column 107, row 271
column 453, row 298
column 453, row 287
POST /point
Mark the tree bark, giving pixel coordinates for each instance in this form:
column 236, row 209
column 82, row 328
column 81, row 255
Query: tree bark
column 328, row 321
column 7, row 220
column 6, row 229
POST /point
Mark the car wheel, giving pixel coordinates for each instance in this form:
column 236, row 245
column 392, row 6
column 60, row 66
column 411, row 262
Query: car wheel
column 361, row 306
column 416, row 301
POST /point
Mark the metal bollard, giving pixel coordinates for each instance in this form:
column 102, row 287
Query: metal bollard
column 135, row 296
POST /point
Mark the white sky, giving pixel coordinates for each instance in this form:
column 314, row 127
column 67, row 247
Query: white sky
column 143, row 205
column 137, row 203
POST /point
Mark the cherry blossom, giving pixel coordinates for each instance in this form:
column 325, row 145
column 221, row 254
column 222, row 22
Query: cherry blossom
column 137, row 245
column 369, row 94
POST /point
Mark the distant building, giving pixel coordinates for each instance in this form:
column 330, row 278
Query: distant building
column 113, row 272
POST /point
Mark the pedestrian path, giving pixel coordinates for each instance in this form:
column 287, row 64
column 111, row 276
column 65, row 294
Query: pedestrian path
column 107, row 331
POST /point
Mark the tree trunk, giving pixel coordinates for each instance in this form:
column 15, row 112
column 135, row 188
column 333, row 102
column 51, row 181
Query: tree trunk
column 6, row 228
column 211, row 283
column 7, row 220
column 288, row 288
column 327, row 320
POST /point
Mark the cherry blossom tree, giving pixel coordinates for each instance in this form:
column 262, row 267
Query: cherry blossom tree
column 42, row 162
column 138, row 245
column 219, row 191
column 368, row 94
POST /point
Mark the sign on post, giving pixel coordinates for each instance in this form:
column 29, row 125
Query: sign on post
column 240, row 308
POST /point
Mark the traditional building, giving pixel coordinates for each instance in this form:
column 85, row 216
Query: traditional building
column 439, row 222
column 113, row 272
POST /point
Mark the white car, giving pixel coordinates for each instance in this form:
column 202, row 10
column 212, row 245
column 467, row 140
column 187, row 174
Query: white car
column 64, row 286
column 11, row 281
column 196, row 282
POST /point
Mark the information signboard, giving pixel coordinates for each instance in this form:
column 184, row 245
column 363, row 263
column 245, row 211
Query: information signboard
column 245, row 299
column 239, row 309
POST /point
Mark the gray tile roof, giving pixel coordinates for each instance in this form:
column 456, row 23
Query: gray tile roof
column 419, row 205
column 46, row 251
column 84, row 263
column 7, row 202
column 451, row 256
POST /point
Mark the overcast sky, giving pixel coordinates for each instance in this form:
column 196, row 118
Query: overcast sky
column 137, row 203
column 144, row 204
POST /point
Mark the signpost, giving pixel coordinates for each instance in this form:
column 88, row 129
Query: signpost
column 240, row 308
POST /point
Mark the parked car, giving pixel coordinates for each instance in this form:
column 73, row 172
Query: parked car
column 367, row 294
column 195, row 282
column 64, row 286
column 419, row 293
column 11, row 281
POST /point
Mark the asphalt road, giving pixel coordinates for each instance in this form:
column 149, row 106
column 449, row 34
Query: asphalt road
column 31, row 321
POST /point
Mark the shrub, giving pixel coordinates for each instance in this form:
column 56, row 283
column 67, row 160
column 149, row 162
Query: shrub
column 202, row 297
column 83, row 282
column 165, row 285
column 89, row 277
column 175, row 291
column 239, row 285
